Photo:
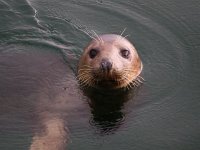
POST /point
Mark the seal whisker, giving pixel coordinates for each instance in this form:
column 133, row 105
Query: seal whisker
column 84, row 70
column 87, row 66
column 85, row 82
column 127, row 87
column 141, row 78
column 100, row 39
column 121, row 35
column 81, row 74
column 126, row 36
column 130, row 86
column 89, row 35
column 123, row 31
column 84, row 77
column 136, row 83
column 125, row 79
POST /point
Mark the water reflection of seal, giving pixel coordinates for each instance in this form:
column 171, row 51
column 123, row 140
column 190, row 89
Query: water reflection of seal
column 110, row 61
column 107, row 108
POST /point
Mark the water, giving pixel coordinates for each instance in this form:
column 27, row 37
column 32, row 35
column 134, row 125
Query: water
column 40, row 42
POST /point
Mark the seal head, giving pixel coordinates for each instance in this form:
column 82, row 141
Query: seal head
column 109, row 61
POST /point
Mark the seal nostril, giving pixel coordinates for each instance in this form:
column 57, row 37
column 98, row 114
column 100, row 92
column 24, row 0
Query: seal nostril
column 109, row 65
column 106, row 65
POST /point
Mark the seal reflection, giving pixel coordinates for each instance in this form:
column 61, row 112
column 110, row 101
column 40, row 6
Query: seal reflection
column 107, row 108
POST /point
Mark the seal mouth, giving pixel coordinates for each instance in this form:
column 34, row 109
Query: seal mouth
column 113, row 79
column 109, row 79
column 106, row 81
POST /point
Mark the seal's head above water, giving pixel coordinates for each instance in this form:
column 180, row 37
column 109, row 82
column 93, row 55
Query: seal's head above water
column 109, row 61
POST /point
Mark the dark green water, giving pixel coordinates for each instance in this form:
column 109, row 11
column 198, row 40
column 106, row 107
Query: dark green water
column 40, row 42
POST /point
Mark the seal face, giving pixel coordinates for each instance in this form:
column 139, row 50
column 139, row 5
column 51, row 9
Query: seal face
column 109, row 61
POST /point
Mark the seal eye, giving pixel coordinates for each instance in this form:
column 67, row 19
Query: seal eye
column 125, row 53
column 93, row 53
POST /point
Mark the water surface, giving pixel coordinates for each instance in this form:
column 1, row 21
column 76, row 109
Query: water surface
column 40, row 43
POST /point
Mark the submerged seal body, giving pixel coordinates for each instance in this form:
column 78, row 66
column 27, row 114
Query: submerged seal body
column 109, row 61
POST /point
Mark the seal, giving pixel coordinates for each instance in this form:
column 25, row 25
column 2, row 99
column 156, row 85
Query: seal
column 109, row 61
